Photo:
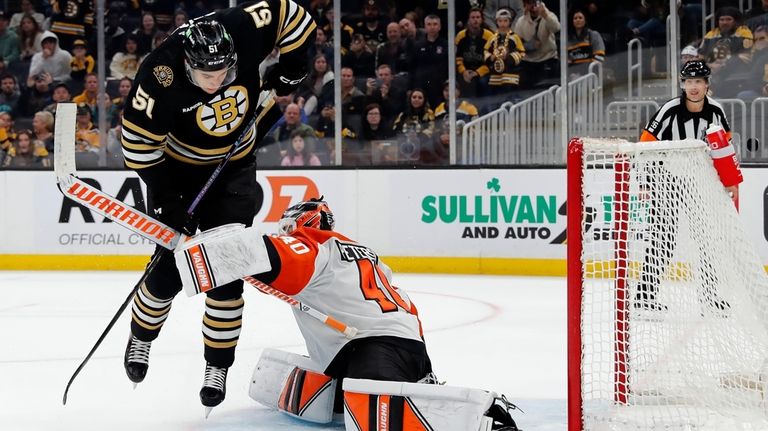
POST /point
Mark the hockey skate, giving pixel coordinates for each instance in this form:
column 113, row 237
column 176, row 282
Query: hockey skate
column 214, row 387
column 136, row 359
column 502, row 419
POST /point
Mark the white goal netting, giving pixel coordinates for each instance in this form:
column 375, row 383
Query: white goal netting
column 674, row 301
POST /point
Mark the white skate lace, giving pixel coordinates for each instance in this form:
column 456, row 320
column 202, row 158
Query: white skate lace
column 139, row 351
column 215, row 377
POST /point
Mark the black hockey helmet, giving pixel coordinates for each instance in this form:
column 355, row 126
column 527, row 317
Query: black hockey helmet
column 313, row 213
column 208, row 46
column 695, row 69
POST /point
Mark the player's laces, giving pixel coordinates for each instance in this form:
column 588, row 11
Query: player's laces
column 138, row 351
column 430, row 379
column 215, row 377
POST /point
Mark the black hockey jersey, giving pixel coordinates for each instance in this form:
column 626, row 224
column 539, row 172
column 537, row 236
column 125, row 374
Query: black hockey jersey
column 168, row 117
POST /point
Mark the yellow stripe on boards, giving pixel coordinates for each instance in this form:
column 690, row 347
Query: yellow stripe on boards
column 442, row 265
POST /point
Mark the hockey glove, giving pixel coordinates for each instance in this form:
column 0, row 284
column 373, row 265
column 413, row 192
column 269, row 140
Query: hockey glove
column 171, row 210
column 277, row 80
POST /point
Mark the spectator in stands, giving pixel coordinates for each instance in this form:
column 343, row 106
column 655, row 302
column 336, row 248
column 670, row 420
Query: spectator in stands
column 9, row 43
column 114, row 37
column 396, row 51
column 430, row 61
column 503, row 54
column 125, row 63
column 417, row 123
column 160, row 37
column 409, row 31
column 36, row 97
column 52, row 62
column 86, row 134
column 317, row 86
column 374, row 127
column 88, row 96
column 10, row 93
column 471, row 70
column 179, row 18
column 162, row 12
column 352, row 99
column 346, row 31
column 387, row 92
column 61, row 94
column 28, row 9
column 689, row 53
column 321, row 46
column 371, row 25
column 515, row 8
column 7, row 135
column 537, row 28
column 727, row 39
column 145, row 34
column 112, row 112
column 298, row 154
column 647, row 22
column 82, row 62
column 292, row 123
column 358, row 58
column 42, row 128
column 585, row 45
column 24, row 154
column 30, row 38
column 122, row 92
column 115, row 157
column 755, row 81
column 71, row 21
column 465, row 110
column 757, row 16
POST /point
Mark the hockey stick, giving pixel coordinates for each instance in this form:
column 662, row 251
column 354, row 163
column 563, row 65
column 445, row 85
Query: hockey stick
column 348, row 331
column 65, row 169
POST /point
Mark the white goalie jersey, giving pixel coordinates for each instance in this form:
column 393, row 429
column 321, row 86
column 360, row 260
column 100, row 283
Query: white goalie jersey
column 326, row 271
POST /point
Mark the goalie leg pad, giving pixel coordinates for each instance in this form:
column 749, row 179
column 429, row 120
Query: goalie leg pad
column 292, row 384
column 400, row 406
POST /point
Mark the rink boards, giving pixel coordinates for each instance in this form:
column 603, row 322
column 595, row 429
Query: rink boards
column 492, row 221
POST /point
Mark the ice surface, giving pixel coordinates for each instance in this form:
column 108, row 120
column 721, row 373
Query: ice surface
column 506, row 334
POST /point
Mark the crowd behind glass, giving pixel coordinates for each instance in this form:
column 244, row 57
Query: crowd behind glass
column 394, row 76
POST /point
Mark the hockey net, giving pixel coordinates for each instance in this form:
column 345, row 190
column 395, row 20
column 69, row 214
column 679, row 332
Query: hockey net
column 694, row 358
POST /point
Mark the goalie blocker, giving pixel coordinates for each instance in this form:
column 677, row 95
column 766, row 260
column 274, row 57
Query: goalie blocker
column 292, row 384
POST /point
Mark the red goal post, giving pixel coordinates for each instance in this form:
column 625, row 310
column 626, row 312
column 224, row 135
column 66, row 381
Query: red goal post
column 700, row 362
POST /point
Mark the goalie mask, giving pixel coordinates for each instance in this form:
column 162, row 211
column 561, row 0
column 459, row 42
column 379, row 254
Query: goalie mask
column 313, row 213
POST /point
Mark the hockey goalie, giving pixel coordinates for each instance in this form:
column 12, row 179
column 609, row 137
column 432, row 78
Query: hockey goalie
column 382, row 373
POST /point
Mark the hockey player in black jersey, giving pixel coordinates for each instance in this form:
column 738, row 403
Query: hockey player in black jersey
column 192, row 98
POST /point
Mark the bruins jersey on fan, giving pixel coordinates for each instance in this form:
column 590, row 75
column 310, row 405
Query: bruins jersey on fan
column 167, row 119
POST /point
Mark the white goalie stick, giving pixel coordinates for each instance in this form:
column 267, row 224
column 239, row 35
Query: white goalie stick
column 114, row 209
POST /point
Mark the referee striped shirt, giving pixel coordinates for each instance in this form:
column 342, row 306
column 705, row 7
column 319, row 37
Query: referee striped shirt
column 673, row 121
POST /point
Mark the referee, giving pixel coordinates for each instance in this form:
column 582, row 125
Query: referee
column 684, row 117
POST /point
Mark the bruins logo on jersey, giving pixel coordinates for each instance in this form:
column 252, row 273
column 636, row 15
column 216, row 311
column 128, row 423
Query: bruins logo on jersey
column 163, row 74
column 224, row 112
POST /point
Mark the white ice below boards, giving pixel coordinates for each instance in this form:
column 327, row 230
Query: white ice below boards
column 505, row 334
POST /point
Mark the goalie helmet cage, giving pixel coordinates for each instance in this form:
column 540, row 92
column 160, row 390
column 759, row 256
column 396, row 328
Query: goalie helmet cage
column 699, row 362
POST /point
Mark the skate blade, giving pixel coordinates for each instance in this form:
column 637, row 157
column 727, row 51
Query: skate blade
column 208, row 411
column 134, row 385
